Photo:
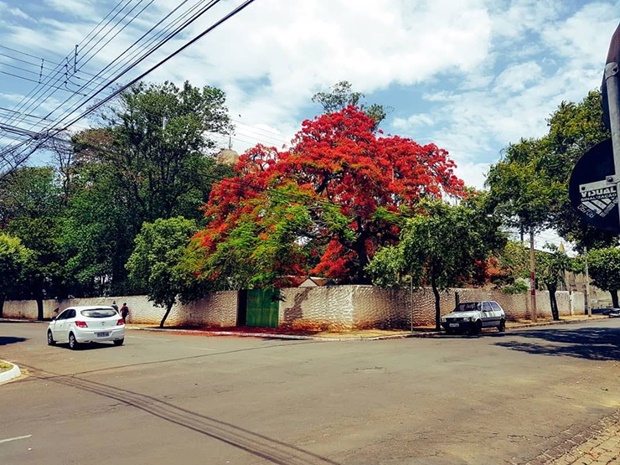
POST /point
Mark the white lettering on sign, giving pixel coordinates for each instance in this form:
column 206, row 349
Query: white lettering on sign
column 597, row 198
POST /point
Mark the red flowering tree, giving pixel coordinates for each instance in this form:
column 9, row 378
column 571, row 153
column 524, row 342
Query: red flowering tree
column 323, row 207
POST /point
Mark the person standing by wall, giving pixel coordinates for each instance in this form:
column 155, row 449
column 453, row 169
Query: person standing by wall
column 124, row 311
column 114, row 306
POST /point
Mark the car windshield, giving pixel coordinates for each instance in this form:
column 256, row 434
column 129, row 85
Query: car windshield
column 467, row 307
column 99, row 312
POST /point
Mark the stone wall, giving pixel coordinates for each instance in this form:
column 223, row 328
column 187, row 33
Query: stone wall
column 329, row 307
column 317, row 307
column 219, row 309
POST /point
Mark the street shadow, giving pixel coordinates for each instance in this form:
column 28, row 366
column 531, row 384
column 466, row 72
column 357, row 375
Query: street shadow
column 6, row 340
column 85, row 346
column 586, row 343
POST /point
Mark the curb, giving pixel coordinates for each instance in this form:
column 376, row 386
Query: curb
column 426, row 334
column 290, row 336
column 13, row 373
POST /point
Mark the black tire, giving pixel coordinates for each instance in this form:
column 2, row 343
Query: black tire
column 476, row 328
column 449, row 331
column 73, row 343
column 118, row 342
column 502, row 326
column 50, row 339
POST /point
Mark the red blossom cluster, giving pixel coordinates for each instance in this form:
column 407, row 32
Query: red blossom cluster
column 336, row 160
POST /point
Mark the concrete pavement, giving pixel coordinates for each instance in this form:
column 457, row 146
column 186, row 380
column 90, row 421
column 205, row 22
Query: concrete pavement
column 598, row 445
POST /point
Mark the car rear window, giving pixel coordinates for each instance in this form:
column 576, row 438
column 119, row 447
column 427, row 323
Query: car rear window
column 99, row 312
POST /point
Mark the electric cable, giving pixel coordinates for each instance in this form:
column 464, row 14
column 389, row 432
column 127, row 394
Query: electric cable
column 54, row 129
column 153, row 49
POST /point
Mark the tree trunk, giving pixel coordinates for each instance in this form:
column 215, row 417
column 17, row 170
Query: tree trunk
column 39, row 300
column 361, row 276
column 555, row 312
column 437, row 307
column 614, row 298
column 2, row 306
column 163, row 320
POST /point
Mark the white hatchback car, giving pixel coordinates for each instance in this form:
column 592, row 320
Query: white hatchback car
column 78, row 325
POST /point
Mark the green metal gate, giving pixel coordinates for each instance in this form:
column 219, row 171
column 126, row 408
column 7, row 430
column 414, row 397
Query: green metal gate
column 262, row 308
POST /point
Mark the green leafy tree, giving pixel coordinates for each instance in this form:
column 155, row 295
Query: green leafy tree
column 151, row 160
column 440, row 247
column 574, row 128
column 529, row 186
column 341, row 95
column 158, row 263
column 550, row 271
column 161, row 141
column 14, row 260
column 520, row 190
column 97, row 233
column 604, row 269
column 31, row 207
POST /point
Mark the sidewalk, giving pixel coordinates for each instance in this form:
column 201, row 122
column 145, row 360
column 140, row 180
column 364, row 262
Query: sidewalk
column 600, row 445
column 348, row 335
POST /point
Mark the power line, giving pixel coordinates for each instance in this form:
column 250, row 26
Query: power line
column 61, row 124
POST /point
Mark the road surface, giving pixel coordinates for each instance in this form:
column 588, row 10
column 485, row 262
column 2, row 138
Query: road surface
column 165, row 398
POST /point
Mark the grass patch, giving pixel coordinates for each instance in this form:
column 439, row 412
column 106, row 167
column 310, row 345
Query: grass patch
column 4, row 366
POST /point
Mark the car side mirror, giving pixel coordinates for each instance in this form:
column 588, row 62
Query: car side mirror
column 53, row 318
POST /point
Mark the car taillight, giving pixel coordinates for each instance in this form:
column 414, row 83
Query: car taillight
column 120, row 322
column 81, row 324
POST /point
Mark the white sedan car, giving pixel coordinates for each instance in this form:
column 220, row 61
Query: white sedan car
column 92, row 323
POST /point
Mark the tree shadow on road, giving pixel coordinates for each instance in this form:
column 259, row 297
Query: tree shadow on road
column 586, row 343
column 6, row 340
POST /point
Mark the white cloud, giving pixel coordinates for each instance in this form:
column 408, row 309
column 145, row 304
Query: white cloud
column 490, row 71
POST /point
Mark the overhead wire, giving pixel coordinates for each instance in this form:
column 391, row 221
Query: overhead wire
column 60, row 64
column 54, row 129
column 56, row 76
column 109, row 68
column 58, row 71
column 165, row 60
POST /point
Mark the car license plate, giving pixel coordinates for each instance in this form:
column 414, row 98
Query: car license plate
column 454, row 325
column 102, row 334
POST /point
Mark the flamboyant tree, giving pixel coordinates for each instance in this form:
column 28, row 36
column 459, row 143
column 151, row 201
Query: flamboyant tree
column 322, row 207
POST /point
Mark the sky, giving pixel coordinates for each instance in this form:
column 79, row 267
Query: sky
column 471, row 76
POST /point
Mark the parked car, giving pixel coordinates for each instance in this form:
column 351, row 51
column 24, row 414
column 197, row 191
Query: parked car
column 472, row 317
column 79, row 325
column 613, row 312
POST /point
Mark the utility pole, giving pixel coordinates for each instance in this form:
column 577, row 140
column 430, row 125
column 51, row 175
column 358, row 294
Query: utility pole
column 534, row 316
column 588, row 307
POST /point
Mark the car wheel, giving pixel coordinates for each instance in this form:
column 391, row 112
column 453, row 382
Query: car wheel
column 477, row 327
column 119, row 342
column 449, row 331
column 73, row 344
column 502, row 326
column 50, row 338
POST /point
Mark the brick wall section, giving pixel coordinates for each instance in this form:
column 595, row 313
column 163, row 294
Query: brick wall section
column 317, row 307
column 386, row 309
column 333, row 307
column 219, row 309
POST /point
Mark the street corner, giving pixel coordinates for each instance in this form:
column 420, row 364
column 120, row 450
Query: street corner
column 8, row 372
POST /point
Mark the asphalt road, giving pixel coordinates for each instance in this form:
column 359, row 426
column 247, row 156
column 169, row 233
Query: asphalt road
column 165, row 398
